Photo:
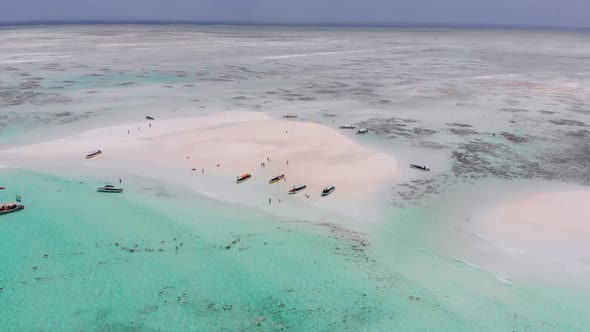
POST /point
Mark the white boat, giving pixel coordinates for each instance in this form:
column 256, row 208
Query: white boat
column 362, row 131
column 93, row 154
column 328, row 190
column 297, row 189
column 347, row 127
column 290, row 116
column 109, row 189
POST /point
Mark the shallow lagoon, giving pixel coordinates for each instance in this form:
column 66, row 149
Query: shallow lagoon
column 428, row 95
column 158, row 258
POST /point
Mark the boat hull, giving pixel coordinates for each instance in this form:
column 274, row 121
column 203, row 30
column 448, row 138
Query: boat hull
column 419, row 168
column 324, row 194
column 93, row 154
column 18, row 208
column 104, row 190
column 277, row 179
column 243, row 179
column 296, row 190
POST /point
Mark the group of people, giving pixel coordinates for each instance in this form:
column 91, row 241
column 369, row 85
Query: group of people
column 7, row 206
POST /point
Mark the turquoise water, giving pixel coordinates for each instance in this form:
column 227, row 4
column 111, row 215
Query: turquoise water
column 67, row 265
column 157, row 258
column 91, row 82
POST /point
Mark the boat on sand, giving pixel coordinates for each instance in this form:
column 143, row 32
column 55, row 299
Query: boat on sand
column 290, row 116
column 93, row 154
column 6, row 208
column 297, row 189
column 328, row 190
column 109, row 189
column 277, row 178
column 418, row 167
column 347, row 127
column 243, row 177
column 147, row 117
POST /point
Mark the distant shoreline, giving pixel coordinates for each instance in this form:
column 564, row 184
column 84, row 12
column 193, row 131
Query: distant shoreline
column 402, row 25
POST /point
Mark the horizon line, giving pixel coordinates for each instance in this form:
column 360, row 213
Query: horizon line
column 498, row 26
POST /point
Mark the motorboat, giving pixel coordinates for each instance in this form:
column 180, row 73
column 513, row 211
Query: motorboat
column 297, row 189
column 362, row 131
column 93, row 154
column 328, row 190
column 243, row 177
column 147, row 117
column 422, row 168
column 2, row 188
column 347, row 127
column 290, row 116
column 277, row 178
column 109, row 189
column 6, row 208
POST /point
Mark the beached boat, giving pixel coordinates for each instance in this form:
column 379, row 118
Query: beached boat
column 243, row 177
column 6, row 208
column 362, row 131
column 347, row 127
column 93, row 154
column 422, row 168
column 109, row 189
column 277, row 178
column 297, row 189
column 147, row 117
column 328, row 190
column 290, row 116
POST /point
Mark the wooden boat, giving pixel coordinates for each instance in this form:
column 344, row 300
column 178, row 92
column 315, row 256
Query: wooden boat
column 6, row 208
column 93, row 154
column 347, row 127
column 362, row 131
column 328, row 190
column 243, row 177
column 297, row 189
column 2, row 188
column 277, row 178
column 109, row 189
column 147, row 117
column 422, row 168
column 290, row 116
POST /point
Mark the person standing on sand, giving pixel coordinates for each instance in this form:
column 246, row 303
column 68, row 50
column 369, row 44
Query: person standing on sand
column 202, row 170
column 287, row 162
column 150, row 124
column 269, row 200
column 119, row 180
column 128, row 131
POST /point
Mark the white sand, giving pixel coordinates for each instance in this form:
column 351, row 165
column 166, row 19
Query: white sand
column 239, row 141
column 557, row 215
column 540, row 236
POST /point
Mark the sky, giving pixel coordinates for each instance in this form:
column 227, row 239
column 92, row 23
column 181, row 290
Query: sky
column 558, row 13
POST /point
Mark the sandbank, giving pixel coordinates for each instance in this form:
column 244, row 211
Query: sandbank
column 555, row 215
column 305, row 152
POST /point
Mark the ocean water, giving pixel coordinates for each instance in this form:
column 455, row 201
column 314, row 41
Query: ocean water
column 158, row 258
column 491, row 112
